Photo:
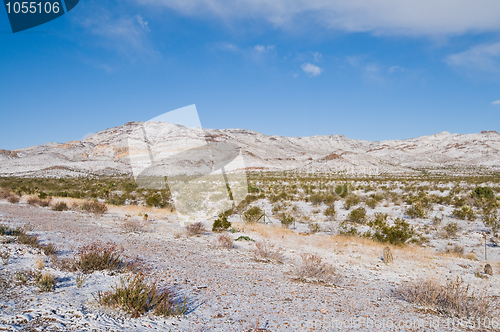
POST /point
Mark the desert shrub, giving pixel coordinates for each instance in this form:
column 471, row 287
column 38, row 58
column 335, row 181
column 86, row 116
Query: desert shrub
column 14, row 199
column 465, row 212
column 60, row 206
column 98, row 257
column 372, row 203
column 5, row 256
column 221, row 224
column 313, row 269
column 138, row 296
column 34, row 201
column 253, row 214
column 483, row 192
column 351, row 201
column 451, row 229
column 42, row 195
column 346, row 229
column 25, row 238
column 314, row 227
column 97, row 208
column 44, row 202
column 343, row 190
column 398, row 233
column 453, row 298
column 80, row 279
column 265, row 251
column 330, row 211
column 357, row 216
column 48, row 249
column 46, row 281
column 417, row 210
column 225, row 240
column 244, row 238
column 196, row 228
column 130, row 225
column 457, row 249
column 286, row 220
column 155, row 200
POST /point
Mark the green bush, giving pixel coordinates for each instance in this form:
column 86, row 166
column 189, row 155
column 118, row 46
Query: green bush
column 221, row 224
column 253, row 214
column 399, row 233
column 346, row 229
column 330, row 211
column 286, row 220
column 417, row 210
column 46, row 282
column 343, row 190
column 357, row 216
column 351, row 201
column 483, row 192
column 451, row 229
column 465, row 212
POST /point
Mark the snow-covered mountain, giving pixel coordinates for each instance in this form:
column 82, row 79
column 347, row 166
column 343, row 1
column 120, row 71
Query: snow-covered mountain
column 107, row 152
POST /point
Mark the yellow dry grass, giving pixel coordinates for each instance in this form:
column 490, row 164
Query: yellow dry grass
column 340, row 244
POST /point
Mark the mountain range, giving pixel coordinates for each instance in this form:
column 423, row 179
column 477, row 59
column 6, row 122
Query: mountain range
column 108, row 152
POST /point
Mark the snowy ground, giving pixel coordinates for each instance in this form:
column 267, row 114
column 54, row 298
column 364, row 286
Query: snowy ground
column 227, row 289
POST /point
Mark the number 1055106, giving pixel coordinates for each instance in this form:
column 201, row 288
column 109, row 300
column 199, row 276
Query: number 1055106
column 32, row 7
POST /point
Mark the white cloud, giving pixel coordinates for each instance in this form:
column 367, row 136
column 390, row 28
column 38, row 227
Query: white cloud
column 395, row 69
column 311, row 70
column 496, row 102
column 395, row 17
column 485, row 57
column 264, row 49
column 142, row 23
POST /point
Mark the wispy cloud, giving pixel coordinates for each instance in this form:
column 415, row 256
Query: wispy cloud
column 497, row 102
column 395, row 17
column 485, row 57
column 142, row 23
column 123, row 34
column 264, row 49
column 311, row 70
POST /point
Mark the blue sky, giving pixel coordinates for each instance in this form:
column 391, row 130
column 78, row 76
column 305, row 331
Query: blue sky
column 373, row 70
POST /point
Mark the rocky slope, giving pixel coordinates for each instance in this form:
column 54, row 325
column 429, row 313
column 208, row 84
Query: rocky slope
column 107, row 152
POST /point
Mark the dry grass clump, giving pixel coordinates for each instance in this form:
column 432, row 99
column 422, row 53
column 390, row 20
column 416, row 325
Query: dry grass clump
column 453, row 298
column 132, row 226
column 137, row 296
column 95, row 208
column 98, row 257
column 313, row 269
column 14, row 199
column 387, row 255
column 5, row 256
column 457, row 249
column 34, row 201
column 265, row 251
column 46, row 281
column 196, row 228
column 60, row 206
column 225, row 241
